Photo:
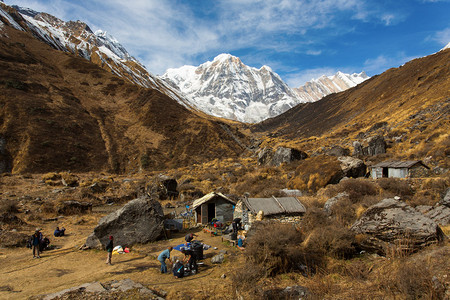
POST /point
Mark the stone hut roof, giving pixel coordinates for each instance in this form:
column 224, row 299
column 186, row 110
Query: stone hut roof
column 208, row 197
column 275, row 205
column 399, row 164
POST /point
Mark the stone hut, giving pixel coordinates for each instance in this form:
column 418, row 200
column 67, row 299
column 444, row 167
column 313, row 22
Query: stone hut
column 213, row 205
column 399, row 169
column 285, row 209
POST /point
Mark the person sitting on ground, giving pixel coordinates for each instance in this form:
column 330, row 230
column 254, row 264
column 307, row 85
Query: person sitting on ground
column 59, row 232
column 178, row 269
column 240, row 242
column 162, row 259
column 189, row 237
column 191, row 259
column 45, row 243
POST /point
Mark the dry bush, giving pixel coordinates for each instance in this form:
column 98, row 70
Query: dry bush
column 327, row 236
column 260, row 185
column 358, row 188
column 277, row 249
column 315, row 173
column 344, row 212
column 334, row 240
column 407, row 279
column 48, row 207
column 9, row 206
column 396, row 187
column 246, row 282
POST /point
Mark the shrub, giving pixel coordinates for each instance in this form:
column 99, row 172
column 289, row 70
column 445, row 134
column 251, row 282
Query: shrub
column 307, row 177
column 245, row 283
column 358, row 188
column 9, row 206
column 276, row 248
column 396, row 187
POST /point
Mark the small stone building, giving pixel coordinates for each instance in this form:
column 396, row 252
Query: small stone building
column 399, row 169
column 288, row 209
column 213, row 205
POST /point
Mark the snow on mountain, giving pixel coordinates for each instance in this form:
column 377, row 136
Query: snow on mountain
column 318, row 88
column 228, row 88
column 100, row 47
column 446, row 47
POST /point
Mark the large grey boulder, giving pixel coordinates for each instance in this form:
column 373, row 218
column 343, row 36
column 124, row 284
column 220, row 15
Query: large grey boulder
column 286, row 155
column 337, row 151
column 392, row 223
column 139, row 221
column 352, row 167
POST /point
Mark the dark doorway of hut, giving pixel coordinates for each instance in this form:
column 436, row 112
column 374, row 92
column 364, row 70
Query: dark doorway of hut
column 211, row 211
column 385, row 172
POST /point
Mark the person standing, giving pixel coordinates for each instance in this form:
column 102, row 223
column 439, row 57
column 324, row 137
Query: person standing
column 162, row 259
column 189, row 237
column 36, row 243
column 109, row 249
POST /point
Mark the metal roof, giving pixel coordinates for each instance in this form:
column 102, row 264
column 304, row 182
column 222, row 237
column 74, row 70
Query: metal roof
column 399, row 164
column 208, row 197
column 273, row 206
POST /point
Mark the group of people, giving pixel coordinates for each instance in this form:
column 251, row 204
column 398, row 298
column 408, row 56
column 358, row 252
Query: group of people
column 180, row 267
column 38, row 242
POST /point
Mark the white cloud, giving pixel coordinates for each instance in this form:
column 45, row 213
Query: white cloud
column 443, row 36
column 314, row 52
column 382, row 63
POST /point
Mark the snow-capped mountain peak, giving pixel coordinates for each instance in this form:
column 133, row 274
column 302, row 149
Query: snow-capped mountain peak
column 226, row 87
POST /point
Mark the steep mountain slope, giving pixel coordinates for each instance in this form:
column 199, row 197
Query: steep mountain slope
column 61, row 112
column 76, row 37
column 318, row 88
column 409, row 105
column 228, row 88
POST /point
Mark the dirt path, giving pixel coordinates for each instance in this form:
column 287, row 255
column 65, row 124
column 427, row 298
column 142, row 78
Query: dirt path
column 65, row 267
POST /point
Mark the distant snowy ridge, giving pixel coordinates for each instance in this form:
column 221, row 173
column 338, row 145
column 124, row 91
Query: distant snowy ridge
column 318, row 88
column 446, row 47
column 228, row 88
column 100, row 47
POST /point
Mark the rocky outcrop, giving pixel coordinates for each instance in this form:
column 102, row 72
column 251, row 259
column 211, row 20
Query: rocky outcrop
column 352, row 167
column 392, row 223
column 372, row 146
column 281, row 155
column 108, row 290
column 337, row 151
column 440, row 213
column 139, row 221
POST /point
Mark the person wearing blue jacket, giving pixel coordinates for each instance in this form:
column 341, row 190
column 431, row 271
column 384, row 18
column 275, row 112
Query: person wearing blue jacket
column 162, row 259
column 36, row 243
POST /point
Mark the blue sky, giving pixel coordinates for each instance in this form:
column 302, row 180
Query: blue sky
column 298, row 39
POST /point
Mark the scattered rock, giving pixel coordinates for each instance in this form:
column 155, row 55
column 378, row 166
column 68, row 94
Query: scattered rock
column 290, row 292
column 337, row 151
column 446, row 200
column 99, row 187
column 282, row 155
column 393, row 222
column 110, row 290
column 139, row 221
column 223, row 276
column 440, row 214
column 352, row 167
column 218, row 259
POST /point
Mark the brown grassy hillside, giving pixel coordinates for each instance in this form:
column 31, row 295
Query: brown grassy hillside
column 61, row 112
column 408, row 105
